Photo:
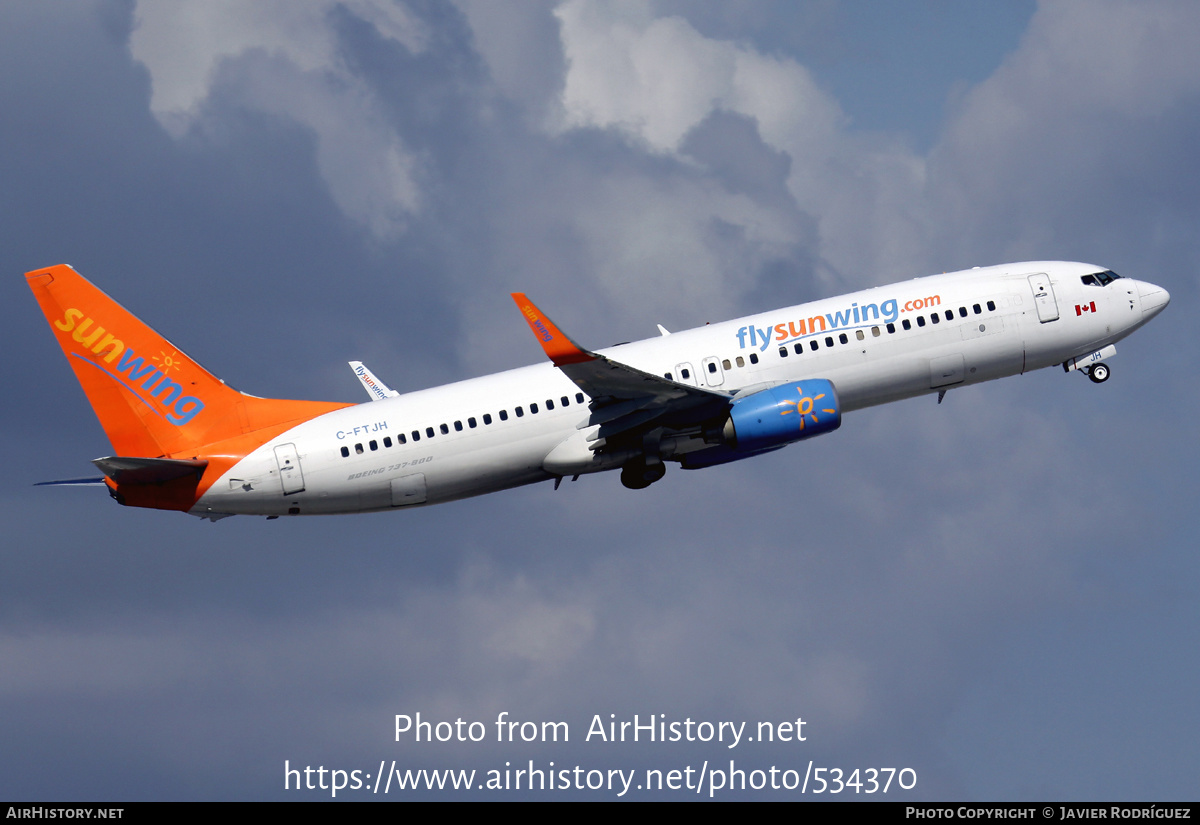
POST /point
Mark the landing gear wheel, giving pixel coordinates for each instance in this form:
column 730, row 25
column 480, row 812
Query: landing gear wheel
column 1099, row 373
column 638, row 475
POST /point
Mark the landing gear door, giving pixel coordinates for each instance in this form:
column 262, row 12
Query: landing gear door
column 1043, row 298
column 290, row 474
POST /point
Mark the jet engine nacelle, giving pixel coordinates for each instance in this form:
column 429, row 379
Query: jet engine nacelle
column 783, row 414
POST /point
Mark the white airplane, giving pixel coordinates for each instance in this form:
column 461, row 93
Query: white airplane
column 183, row 440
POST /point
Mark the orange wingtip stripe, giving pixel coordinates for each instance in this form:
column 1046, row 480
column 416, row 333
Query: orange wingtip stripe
column 561, row 349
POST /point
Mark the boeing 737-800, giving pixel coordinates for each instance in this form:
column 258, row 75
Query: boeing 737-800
column 184, row 440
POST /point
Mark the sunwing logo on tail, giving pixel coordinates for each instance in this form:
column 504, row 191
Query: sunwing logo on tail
column 148, row 379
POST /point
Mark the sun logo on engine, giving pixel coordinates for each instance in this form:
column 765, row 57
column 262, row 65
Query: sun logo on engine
column 805, row 407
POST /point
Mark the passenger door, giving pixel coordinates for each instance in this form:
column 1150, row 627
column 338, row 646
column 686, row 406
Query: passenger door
column 1043, row 298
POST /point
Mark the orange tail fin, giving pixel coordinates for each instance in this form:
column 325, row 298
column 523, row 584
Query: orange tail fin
column 151, row 399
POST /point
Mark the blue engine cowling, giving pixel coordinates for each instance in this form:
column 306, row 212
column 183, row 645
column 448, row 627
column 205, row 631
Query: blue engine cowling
column 783, row 414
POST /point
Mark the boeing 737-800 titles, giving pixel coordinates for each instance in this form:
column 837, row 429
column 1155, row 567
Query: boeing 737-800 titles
column 184, row 440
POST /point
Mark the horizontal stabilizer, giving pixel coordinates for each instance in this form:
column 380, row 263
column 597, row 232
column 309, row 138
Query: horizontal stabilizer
column 73, row 482
column 126, row 470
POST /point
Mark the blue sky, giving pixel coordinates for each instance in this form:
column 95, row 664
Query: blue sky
column 998, row 592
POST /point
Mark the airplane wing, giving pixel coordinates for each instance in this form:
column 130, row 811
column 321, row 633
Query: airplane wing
column 374, row 387
column 623, row 397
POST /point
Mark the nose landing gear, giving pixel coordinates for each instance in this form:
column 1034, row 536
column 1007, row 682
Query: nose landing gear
column 1098, row 373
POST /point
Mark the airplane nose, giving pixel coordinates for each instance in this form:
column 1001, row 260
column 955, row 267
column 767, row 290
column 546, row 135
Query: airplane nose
column 1154, row 299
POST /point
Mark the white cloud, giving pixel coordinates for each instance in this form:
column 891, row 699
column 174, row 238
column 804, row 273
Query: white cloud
column 187, row 46
column 657, row 79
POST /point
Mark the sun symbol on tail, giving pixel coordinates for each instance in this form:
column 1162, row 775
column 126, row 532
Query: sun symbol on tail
column 167, row 362
column 806, row 406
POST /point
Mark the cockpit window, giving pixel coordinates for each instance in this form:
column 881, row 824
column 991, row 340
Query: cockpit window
column 1100, row 278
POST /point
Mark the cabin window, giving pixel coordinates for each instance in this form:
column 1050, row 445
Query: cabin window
column 962, row 312
column 783, row 353
column 445, row 430
column 533, row 408
column 686, row 374
column 920, row 320
column 345, row 452
column 520, row 411
column 387, row 441
column 566, row 402
column 667, row 376
column 949, row 315
column 828, row 341
column 374, row 445
column 875, row 332
column 726, row 364
column 741, row 362
column 358, row 449
column 891, row 328
column 799, row 348
column 416, row 435
column 978, row 309
column 472, row 423
column 504, row 415
column 935, row 318
column 991, row 306
column 429, row 432
column 400, row 439
column 458, row 426
column 754, row 358
column 549, row 403
column 814, row 345
column 907, row 324
column 487, row 418
column 860, row 335
column 843, row 338
column 578, row 398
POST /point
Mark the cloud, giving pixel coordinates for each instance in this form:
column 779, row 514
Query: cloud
column 657, row 79
column 1093, row 100
column 285, row 59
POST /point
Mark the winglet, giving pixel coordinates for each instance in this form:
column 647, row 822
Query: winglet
column 561, row 349
column 374, row 387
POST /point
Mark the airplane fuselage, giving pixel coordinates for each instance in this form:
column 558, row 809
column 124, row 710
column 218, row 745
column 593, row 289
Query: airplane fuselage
column 927, row 335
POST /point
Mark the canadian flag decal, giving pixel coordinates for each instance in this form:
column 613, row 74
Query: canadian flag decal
column 1082, row 308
